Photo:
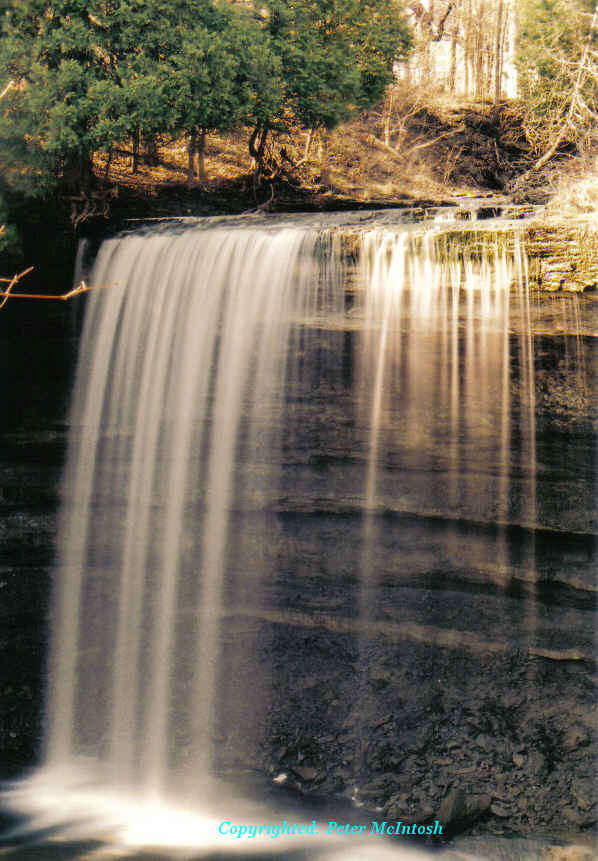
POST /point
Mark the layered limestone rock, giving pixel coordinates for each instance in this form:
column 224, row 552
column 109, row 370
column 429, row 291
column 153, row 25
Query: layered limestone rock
column 563, row 257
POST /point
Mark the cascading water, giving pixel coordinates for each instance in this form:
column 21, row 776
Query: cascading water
column 205, row 376
column 183, row 370
column 437, row 354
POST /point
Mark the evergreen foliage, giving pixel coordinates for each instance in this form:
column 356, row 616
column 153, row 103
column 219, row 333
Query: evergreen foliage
column 337, row 55
column 87, row 75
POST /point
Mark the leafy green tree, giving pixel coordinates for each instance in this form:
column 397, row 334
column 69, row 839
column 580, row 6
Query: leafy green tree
column 223, row 75
column 337, row 55
column 80, row 76
column 143, row 36
column 56, row 57
column 337, row 58
column 86, row 75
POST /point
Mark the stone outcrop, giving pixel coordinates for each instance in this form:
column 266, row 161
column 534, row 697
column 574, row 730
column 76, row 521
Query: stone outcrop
column 563, row 257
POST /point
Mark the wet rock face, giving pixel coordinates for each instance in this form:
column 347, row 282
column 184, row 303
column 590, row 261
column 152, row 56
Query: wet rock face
column 455, row 680
column 37, row 361
column 562, row 256
column 25, row 591
column 28, row 515
column 477, row 742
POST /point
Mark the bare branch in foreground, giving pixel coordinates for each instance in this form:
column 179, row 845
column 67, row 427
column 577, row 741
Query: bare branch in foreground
column 12, row 282
column 76, row 291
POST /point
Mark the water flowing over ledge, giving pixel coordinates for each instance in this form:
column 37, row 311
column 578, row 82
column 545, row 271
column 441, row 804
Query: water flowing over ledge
column 279, row 428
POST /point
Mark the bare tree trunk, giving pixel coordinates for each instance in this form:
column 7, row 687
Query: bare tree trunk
column 201, row 157
column 453, row 66
column 107, row 167
column 191, row 151
column 442, row 22
column 136, row 141
column 466, row 46
column 388, row 116
column 503, row 49
column 479, row 65
column 498, row 52
column 257, row 152
column 323, row 153
column 252, row 141
column 262, row 144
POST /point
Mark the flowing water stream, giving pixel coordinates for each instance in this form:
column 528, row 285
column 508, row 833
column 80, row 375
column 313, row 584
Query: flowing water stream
column 258, row 406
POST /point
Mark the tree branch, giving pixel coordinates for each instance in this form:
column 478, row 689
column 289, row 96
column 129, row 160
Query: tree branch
column 580, row 79
column 76, row 291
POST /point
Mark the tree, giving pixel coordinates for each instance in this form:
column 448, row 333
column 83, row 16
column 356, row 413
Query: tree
column 223, row 75
column 558, row 54
column 337, row 55
column 84, row 77
column 55, row 56
column 136, row 102
column 80, row 76
column 478, row 36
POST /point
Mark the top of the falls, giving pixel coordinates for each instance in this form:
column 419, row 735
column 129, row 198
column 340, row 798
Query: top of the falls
column 488, row 213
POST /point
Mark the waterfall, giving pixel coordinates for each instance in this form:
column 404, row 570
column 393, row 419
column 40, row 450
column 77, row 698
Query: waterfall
column 179, row 369
column 435, row 391
column 436, row 368
column 216, row 353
